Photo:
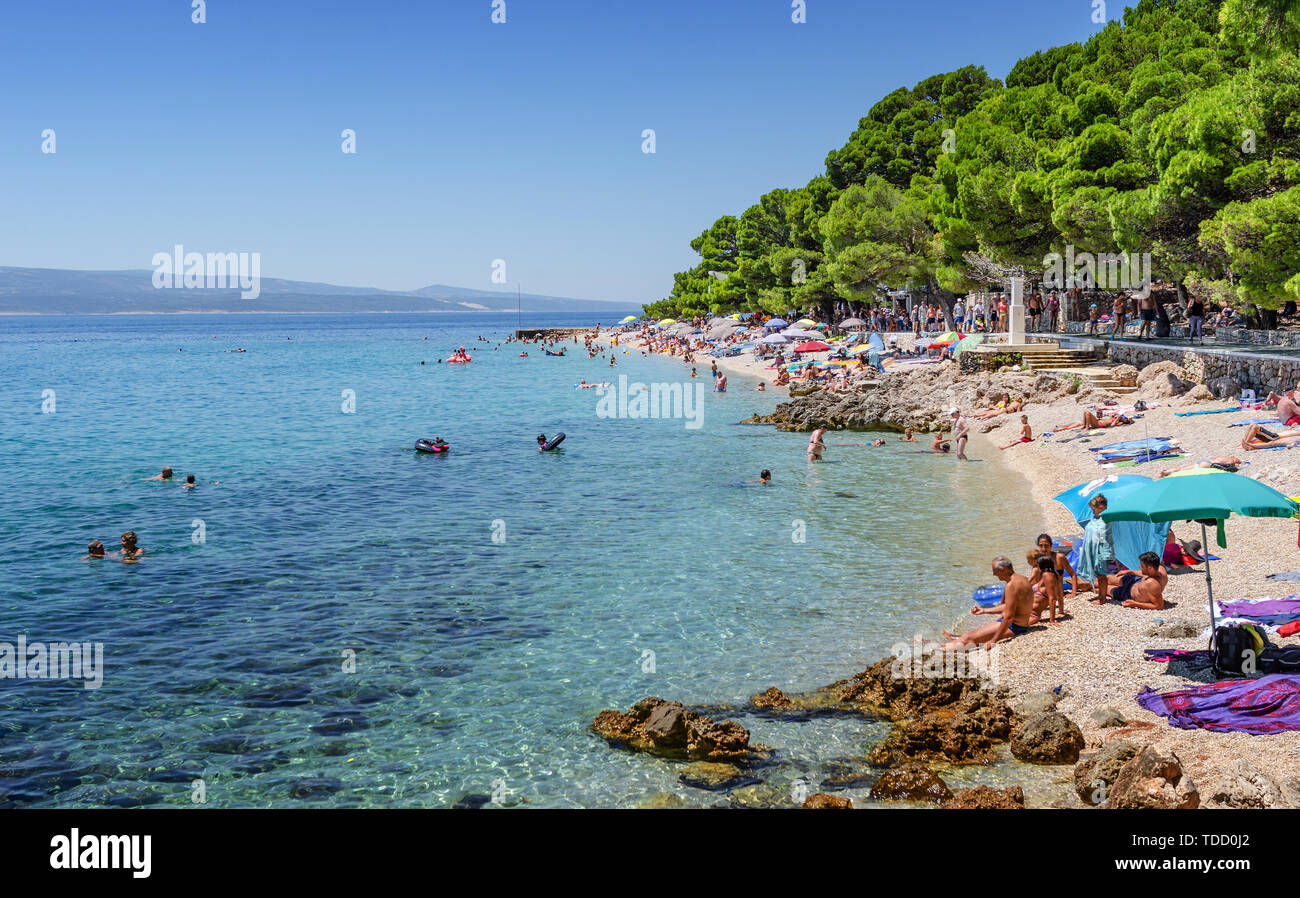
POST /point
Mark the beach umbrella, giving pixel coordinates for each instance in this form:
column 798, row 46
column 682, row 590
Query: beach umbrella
column 664, row 321
column 1132, row 538
column 967, row 342
column 775, row 339
column 797, row 333
column 812, row 346
column 776, row 322
column 1207, row 496
column 805, row 322
column 627, row 319
column 849, row 323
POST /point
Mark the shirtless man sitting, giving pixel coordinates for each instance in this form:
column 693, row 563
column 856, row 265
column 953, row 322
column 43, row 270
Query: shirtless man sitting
column 1288, row 410
column 1143, row 588
column 1016, row 611
column 1259, row 438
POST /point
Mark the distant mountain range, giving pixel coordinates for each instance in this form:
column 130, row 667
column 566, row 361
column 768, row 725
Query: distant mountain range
column 57, row 291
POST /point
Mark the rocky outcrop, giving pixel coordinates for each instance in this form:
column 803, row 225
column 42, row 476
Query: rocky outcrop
column 1048, row 738
column 910, row 782
column 672, row 730
column 714, row 776
column 1037, row 703
column 885, row 688
column 1107, row 718
column 772, row 698
column 1094, row 775
column 1242, row 786
column 986, row 798
column 919, row 398
column 1153, row 779
column 967, row 732
column 822, row 801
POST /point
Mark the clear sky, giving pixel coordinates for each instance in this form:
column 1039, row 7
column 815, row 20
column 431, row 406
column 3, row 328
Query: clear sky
column 475, row 141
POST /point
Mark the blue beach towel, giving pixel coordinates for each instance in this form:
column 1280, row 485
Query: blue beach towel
column 1253, row 421
column 1211, row 411
column 1132, row 444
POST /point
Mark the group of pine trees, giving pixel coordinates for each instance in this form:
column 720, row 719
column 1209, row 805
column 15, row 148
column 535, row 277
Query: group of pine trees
column 1175, row 133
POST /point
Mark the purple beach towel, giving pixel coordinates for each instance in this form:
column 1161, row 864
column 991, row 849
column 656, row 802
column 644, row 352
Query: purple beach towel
column 1260, row 707
column 1261, row 607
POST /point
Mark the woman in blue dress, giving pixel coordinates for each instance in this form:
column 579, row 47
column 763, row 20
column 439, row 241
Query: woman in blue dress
column 1098, row 549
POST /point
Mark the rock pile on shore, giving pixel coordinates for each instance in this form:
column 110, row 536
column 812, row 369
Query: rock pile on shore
column 917, row 399
column 672, row 730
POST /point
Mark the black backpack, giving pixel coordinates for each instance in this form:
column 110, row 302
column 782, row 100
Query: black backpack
column 1230, row 647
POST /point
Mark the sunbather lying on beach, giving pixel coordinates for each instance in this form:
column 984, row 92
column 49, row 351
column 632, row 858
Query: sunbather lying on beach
column 1092, row 422
column 1143, row 588
column 1015, row 612
column 1006, row 406
column 1259, row 438
column 1229, row 463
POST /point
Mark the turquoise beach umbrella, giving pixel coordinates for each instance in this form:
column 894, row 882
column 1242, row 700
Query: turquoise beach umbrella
column 1204, row 495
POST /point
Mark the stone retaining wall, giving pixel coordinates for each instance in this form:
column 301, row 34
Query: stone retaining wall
column 1257, row 372
column 1258, row 337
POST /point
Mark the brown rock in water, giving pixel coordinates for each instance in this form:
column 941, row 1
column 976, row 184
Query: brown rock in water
column 910, row 782
column 966, row 733
column 713, row 775
column 986, row 798
column 672, row 730
column 887, row 687
column 1153, row 779
column 822, row 801
column 1094, row 775
column 772, row 698
column 1049, row 738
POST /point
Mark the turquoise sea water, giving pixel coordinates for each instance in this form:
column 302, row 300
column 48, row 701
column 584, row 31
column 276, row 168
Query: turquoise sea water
column 479, row 663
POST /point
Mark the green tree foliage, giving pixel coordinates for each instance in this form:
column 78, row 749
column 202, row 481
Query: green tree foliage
column 1175, row 132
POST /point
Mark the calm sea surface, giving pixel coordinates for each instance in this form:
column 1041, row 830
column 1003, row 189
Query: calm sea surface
column 632, row 563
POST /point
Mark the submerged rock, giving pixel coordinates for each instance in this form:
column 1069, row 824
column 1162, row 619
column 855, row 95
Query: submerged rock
column 772, row 698
column 910, row 782
column 1049, row 738
column 658, row 801
column 986, row 798
column 1153, row 779
column 822, row 801
column 965, row 733
column 314, row 786
column 1095, row 774
column 715, row 776
column 672, row 730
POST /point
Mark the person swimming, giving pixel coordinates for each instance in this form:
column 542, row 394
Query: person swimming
column 94, row 549
column 189, row 483
column 131, row 550
column 765, row 476
column 165, row 475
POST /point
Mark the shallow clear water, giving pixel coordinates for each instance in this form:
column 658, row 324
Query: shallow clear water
column 477, row 662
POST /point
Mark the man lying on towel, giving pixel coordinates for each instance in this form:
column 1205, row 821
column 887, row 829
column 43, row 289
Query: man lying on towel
column 1143, row 588
column 1016, row 613
column 1259, row 438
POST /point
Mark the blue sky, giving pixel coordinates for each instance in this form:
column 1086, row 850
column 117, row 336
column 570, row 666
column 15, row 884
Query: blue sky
column 475, row 141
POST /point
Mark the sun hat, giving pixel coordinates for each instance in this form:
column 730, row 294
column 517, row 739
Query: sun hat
column 1193, row 549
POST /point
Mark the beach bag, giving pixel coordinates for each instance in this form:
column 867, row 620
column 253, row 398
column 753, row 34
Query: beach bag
column 1229, row 646
column 1280, row 660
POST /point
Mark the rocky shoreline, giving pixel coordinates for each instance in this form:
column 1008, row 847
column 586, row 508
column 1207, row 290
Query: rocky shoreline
column 936, row 721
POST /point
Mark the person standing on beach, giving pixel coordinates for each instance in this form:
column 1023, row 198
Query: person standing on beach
column 1147, row 311
column 1098, row 550
column 960, row 433
column 816, row 443
column 1119, row 311
column 1195, row 318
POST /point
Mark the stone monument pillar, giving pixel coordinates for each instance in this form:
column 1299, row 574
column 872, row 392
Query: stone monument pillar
column 1016, row 314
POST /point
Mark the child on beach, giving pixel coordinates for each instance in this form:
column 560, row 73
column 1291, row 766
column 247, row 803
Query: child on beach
column 1026, row 435
column 1092, row 320
column 1098, row 550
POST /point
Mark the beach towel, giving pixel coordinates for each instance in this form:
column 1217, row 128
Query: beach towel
column 1210, row 411
column 1260, row 707
column 1252, row 421
column 1141, row 460
column 1197, row 659
column 1261, row 608
column 1284, row 575
column 1132, row 444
